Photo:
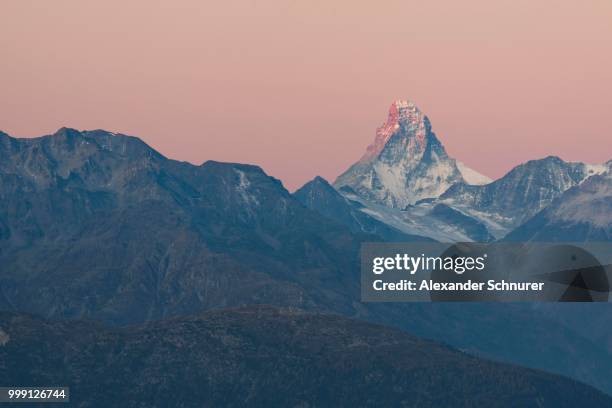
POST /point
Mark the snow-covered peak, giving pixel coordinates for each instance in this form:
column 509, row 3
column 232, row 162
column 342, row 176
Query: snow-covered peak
column 405, row 163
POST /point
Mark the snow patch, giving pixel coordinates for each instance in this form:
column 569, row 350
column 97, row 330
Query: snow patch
column 415, row 221
column 592, row 169
column 243, row 189
column 471, row 176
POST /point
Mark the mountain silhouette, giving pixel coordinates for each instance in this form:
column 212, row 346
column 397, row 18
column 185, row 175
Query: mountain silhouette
column 97, row 225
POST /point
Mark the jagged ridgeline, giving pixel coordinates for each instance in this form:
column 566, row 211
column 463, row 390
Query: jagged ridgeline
column 98, row 225
column 406, row 180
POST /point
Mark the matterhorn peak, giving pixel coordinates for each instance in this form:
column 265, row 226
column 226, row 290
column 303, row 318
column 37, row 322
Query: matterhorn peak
column 405, row 163
column 402, row 114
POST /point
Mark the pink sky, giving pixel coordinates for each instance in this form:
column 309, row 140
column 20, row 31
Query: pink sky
column 299, row 86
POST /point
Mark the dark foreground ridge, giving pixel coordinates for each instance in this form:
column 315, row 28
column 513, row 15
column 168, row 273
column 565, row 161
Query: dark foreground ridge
column 265, row 356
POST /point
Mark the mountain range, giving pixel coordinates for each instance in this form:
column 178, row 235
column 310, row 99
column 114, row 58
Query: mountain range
column 97, row 225
column 102, row 226
column 406, row 180
column 583, row 213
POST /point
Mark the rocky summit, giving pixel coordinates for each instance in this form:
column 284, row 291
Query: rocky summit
column 405, row 163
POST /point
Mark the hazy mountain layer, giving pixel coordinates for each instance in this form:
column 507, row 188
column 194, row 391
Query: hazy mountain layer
column 583, row 213
column 266, row 357
column 521, row 193
column 320, row 196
